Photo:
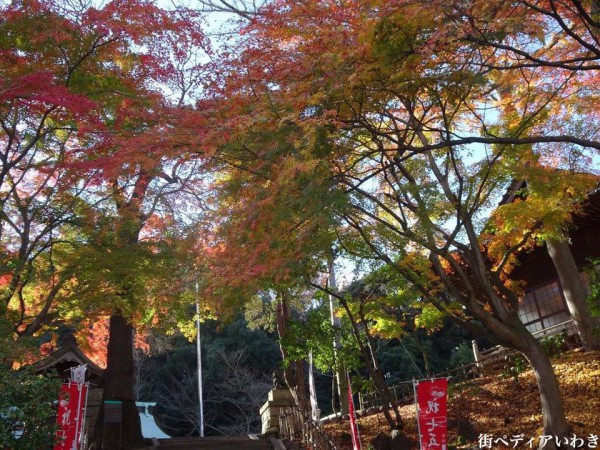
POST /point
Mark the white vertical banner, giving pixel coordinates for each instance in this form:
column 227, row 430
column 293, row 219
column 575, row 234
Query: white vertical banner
column 78, row 374
column 311, row 390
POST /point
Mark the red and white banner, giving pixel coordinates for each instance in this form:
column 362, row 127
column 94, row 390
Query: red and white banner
column 71, row 415
column 353, row 425
column 432, row 413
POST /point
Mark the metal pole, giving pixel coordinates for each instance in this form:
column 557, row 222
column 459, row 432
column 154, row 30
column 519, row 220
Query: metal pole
column 415, row 384
column 82, row 432
column 199, row 355
column 78, row 428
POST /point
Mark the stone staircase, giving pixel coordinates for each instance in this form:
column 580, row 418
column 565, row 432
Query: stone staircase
column 212, row 443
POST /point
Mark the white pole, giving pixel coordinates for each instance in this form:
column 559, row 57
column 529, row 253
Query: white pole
column 415, row 384
column 199, row 355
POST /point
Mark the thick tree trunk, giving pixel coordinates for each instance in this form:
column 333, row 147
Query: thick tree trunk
column 293, row 378
column 119, row 382
column 553, row 413
column 514, row 335
column 119, row 375
column 300, row 386
column 574, row 291
column 500, row 324
column 555, row 422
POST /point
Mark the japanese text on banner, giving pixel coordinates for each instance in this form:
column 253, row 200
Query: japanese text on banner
column 432, row 402
column 70, row 415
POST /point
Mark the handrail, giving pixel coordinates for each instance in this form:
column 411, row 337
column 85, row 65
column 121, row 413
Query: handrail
column 557, row 328
column 403, row 392
column 298, row 425
column 493, row 354
column 540, row 334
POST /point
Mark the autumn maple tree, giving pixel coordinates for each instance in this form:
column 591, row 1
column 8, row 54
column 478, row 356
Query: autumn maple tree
column 94, row 142
column 39, row 117
column 356, row 122
column 533, row 44
column 389, row 130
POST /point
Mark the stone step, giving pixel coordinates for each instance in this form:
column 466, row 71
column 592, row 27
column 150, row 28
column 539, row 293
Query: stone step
column 213, row 443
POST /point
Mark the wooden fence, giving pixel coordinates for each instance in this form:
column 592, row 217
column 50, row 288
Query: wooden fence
column 298, row 425
column 403, row 393
column 489, row 358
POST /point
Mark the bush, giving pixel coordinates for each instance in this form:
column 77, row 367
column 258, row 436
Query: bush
column 553, row 345
column 461, row 355
column 514, row 365
column 27, row 418
column 593, row 273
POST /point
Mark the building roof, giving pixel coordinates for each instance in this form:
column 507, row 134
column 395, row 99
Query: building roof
column 68, row 354
column 535, row 266
column 590, row 211
column 150, row 428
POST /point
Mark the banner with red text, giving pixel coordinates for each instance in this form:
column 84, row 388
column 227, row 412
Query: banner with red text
column 70, row 416
column 432, row 413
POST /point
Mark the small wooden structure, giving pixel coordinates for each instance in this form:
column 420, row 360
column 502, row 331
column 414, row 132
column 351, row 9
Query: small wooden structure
column 67, row 356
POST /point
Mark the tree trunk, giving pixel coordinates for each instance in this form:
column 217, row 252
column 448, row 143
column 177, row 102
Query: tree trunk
column 119, row 382
column 300, row 386
column 377, row 376
column 499, row 322
column 333, row 394
column 340, row 372
column 293, row 378
column 574, row 292
column 515, row 336
column 386, row 398
column 553, row 413
column 370, row 364
column 555, row 422
column 423, row 351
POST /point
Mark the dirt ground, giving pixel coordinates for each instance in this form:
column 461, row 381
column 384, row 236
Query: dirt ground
column 500, row 407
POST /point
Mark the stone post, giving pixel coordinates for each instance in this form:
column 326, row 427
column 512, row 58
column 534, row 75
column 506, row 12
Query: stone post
column 477, row 355
column 269, row 412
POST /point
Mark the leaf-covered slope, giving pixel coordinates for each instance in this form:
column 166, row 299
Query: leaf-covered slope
column 499, row 406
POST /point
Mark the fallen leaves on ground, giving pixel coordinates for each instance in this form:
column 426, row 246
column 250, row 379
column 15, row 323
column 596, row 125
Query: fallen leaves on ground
column 500, row 406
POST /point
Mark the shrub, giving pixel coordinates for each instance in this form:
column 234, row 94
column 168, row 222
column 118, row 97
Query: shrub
column 461, row 355
column 553, row 345
column 27, row 418
column 593, row 273
column 514, row 365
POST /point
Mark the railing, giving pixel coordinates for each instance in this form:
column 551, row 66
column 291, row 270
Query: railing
column 403, row 392
column 567, row 326
column 497, row 354
column 297, row 425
